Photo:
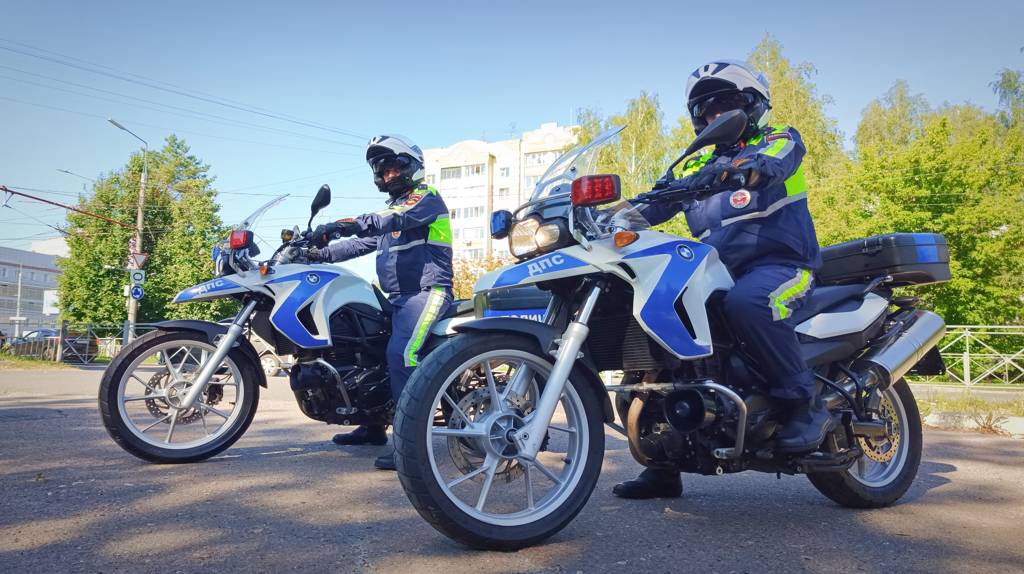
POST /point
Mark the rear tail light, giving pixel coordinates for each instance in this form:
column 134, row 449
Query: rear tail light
column 240, row 239
column 595, row 190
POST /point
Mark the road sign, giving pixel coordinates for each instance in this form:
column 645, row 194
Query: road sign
column 138, row 260
column 137, row 276
column 137, row 292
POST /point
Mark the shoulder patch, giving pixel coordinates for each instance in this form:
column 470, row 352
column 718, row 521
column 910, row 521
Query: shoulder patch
column 777, row 136
column 413, row 199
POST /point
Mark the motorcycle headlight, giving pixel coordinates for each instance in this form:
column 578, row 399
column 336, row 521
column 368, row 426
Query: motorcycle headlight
column 531, row 236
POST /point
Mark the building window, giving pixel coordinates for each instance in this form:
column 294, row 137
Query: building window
column 531, row 182
column 540, row 158
column 455, row 233
column 454, row 213
column 473, row 233
column 474, row 253
column 451, row 173
column 475, row 169
column 503, row 193
column 503, row 171
column 430, row 179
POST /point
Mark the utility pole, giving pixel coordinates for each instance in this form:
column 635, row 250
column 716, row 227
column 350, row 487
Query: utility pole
column 135, row 245
column 17, row 313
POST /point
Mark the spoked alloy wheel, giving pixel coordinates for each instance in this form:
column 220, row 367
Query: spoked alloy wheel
column 888, row 466
column 465, row 474
column 142, row 391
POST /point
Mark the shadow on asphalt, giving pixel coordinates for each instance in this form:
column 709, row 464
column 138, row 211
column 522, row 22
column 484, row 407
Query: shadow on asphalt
column 286, row 498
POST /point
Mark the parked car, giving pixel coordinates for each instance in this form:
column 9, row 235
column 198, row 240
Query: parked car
column 44, row 344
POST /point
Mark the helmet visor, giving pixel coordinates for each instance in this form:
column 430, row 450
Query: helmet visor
column 386, row 163
column 721, row 103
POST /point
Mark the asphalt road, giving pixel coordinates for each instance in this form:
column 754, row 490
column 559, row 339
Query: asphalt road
column 284, row 499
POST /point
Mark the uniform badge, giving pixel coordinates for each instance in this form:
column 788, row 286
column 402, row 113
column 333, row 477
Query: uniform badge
column 396, row 234
column 413, row 199
column 739, row 199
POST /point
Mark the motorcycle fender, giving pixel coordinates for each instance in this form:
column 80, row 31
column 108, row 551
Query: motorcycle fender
column 211, row 331
column 544, row 334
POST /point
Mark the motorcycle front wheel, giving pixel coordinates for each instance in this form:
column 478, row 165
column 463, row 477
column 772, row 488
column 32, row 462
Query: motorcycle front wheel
column 468, row 395
column 142, row 389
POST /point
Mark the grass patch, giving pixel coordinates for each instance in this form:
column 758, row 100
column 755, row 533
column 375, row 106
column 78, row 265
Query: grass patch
column 987, row 416
column 11, row 362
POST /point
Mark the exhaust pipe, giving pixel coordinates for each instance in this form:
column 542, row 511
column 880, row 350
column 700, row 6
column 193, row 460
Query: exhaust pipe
column 888, row 363
column 908, row 348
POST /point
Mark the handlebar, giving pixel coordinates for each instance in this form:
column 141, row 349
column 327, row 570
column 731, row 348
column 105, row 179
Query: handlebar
column 674, row 194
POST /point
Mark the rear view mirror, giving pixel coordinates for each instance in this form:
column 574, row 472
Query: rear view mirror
column 726, row 129
column 322, row 200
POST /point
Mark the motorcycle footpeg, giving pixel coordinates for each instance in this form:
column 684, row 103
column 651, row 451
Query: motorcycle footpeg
column 827, row 462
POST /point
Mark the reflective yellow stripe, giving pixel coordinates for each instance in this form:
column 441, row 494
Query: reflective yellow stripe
column 787, row 292
column 426, row 319
column 796, row 183
column 440, row 231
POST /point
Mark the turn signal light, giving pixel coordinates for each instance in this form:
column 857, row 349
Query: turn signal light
column 595, row 189
column 240, row 238
column 624, row 238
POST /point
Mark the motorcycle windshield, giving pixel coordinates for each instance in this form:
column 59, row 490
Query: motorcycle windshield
column 579, row 161
column 249, row 221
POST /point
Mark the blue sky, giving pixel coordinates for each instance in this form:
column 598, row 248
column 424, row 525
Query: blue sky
column 437, row 72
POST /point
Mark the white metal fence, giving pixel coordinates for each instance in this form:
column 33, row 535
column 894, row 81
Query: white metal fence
column 983, row 354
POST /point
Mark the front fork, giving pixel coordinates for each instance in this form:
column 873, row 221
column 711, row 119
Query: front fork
column 530, row 437
column 224, row 344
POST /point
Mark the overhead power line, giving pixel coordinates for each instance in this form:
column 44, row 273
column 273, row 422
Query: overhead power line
column 173, row 130
column 94, row 68
column 188, row 113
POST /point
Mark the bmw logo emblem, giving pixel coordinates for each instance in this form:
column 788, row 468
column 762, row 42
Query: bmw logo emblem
column 685, row 252
column 312, row 278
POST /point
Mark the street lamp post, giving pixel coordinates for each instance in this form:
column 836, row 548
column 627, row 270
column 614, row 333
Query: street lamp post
column 133, row 305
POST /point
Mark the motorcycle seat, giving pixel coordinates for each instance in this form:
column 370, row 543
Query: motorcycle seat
column 822, row 298
column 459, row 307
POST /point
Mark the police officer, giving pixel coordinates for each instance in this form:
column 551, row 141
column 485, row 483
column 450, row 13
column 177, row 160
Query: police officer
column 757, row 219
column 413, row 241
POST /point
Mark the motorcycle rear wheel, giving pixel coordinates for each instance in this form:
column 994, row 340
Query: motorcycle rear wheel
column 140, row 391
column 884, row 473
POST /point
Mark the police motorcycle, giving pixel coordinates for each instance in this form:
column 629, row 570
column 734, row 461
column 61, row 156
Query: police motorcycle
column 525, row 398
column 189, row 389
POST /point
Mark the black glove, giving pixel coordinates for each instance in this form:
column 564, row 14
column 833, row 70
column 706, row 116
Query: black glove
column 316, row 255
column 718, row 177
column 323, row 234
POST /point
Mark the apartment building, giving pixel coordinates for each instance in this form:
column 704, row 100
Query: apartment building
column 37, row 274
column 476, row 177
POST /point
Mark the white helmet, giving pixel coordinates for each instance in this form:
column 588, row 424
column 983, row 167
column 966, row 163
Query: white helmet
column 393, row 151
column 730, row 83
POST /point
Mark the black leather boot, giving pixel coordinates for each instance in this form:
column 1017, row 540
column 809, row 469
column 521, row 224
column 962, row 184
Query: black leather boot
column 385, row 461
column 363, row 434
column 652, row 483
column 809, row 423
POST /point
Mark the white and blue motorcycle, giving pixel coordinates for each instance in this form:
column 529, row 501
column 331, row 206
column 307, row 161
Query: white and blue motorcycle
column 189, row 389
column 499, row 433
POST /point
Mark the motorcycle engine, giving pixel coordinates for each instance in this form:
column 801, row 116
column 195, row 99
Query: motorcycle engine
column 321, row 394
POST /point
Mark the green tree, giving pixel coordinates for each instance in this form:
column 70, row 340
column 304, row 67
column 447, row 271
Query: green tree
column 961, row 177
column 891, row 122
column 640, row 155
column 180, row 227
